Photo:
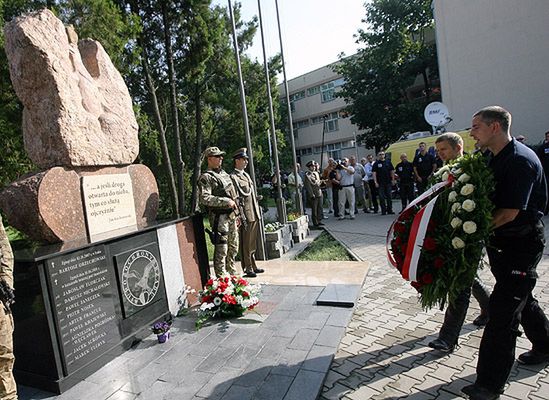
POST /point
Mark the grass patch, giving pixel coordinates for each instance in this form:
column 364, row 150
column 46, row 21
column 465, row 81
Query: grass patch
column 324, row 248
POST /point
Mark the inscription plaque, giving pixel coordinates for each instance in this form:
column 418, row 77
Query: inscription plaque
column 109, row 205
column 82, row 290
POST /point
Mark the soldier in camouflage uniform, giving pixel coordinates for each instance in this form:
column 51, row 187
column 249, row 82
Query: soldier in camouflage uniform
column 8, row 390
column 217, row 196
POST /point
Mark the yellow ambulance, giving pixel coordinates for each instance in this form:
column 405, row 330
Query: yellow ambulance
column 411, row 144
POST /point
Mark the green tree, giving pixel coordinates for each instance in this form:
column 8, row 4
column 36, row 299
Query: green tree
column 379, row 79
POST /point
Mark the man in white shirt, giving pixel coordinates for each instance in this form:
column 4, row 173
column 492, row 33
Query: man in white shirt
column 347, row 193
column 359, row 174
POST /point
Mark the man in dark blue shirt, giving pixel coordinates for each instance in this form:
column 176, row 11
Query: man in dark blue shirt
column 384, row 177
column 514, row 251
column 424, row 166
column 405, row 175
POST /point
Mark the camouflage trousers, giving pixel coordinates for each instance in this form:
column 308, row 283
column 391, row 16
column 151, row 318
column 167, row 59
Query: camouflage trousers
column 8, row 390
column 225, row 253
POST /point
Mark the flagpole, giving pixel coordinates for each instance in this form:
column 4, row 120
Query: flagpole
column 261, row 243
column 298, row 199
column 280, row 201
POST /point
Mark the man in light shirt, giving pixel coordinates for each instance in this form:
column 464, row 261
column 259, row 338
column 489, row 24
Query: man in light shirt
column 347, row 192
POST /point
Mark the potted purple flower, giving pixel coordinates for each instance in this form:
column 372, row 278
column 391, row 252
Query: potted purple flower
column 162, row 330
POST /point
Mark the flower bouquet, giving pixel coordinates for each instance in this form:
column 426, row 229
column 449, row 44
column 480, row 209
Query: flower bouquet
column 437, row 241
column 226, row 297
column 162, row 330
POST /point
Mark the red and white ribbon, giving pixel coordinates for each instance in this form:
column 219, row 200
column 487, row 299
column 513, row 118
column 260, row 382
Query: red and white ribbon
column 417, row 230
column 415, row 241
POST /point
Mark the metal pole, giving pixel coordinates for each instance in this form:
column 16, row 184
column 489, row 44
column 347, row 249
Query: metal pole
column 280, row 201
column 261, row 243
column 356, row 146
column 324, row 117
column 298, row 199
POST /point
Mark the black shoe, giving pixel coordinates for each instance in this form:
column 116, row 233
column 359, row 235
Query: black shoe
column 391, row 212
column 366, row 211
column 383, row 213
column 441, row 345
column 481, row 320
column 533, row 357
column 250, row 274
column 320, row 224
column 476, row 392
column 259, row 270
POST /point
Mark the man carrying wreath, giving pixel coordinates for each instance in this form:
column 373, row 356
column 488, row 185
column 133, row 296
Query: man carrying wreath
column 514, row 252
column 450, row 147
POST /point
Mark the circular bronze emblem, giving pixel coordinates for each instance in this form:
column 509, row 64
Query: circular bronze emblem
column 140, row 278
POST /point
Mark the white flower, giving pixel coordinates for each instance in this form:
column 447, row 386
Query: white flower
column 468, row 205
column 452, row 196
column 467, row 189
column 455, row 208
column 455, row 222
column 456, row 171
column 445, row 176
column 457, row 243
column 217, row 301
column 206, row 306
column 442, row 170
column 469, row 227
column 464, row 178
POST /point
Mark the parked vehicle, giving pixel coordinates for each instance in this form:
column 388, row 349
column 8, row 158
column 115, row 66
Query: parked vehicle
column 410, row 145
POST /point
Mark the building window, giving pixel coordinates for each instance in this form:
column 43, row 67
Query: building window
column 335, row 154
column 292, row 106
column 312, row 91
column 316, row 120
column 297, row 96
column 301, row 124
column 327, row 92
column 339, row 82
column 332, row 122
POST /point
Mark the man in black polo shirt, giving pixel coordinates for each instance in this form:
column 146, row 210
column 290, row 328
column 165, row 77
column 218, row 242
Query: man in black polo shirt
column 384, row 178
column 424, row 166
column 405, row 175
column 514, row 251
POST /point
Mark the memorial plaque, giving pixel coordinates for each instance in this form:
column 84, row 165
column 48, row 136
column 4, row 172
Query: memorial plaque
column 109, row 205
column 140, row 276
column 83, row 294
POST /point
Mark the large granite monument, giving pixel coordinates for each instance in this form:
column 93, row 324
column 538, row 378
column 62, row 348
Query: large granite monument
column 78, row 121
column 110, row 270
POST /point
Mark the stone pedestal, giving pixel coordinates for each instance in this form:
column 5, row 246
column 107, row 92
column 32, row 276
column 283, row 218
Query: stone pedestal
column 48, row 207
column 300, row 228
column 279, row 241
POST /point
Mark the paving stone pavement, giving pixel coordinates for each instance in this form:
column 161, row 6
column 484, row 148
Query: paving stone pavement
column 384, row 352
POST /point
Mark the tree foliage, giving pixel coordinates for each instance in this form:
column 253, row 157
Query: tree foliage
column 206, row 96
column 380, row 80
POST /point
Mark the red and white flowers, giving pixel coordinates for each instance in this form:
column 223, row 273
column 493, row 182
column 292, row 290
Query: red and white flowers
column 229, row 296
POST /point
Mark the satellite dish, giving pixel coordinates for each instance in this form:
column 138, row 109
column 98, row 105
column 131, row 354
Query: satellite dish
column 436, row 114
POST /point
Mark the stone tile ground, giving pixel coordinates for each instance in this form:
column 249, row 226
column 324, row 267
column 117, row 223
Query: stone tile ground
column 380, row 348
column 384, row 353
